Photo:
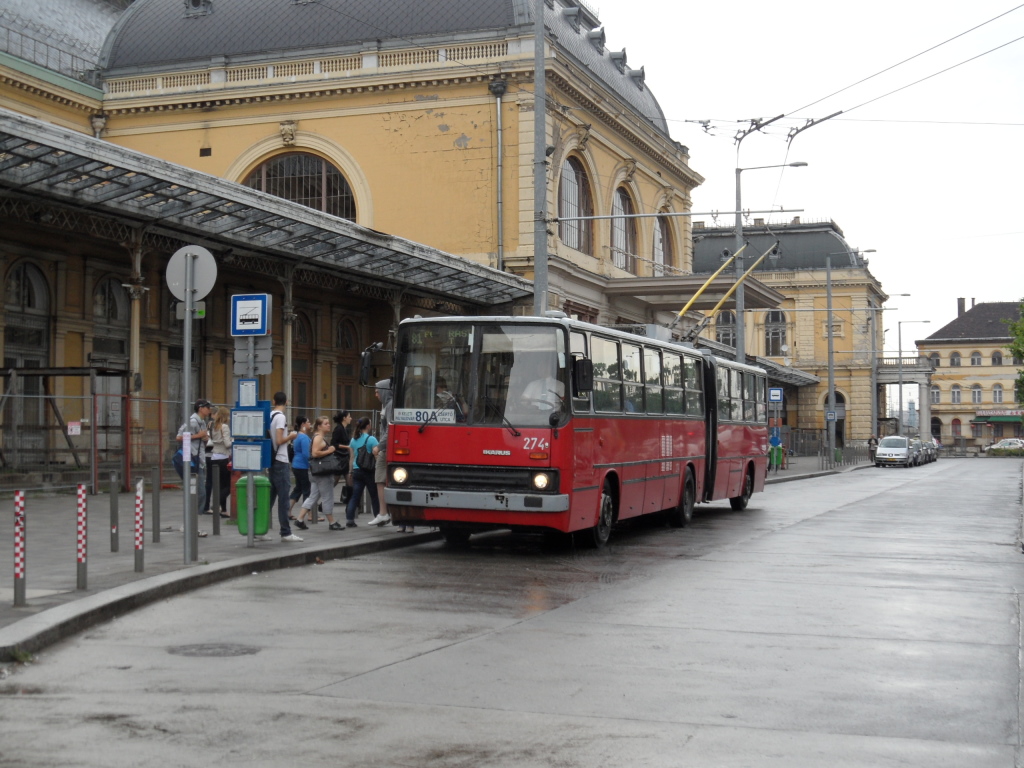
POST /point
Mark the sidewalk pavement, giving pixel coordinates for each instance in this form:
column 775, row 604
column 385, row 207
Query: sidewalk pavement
column 56, row 609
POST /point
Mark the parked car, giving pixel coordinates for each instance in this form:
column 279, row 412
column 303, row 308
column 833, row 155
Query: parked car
column 931, row 451
column 917, row 457
column 894, row 451
column 1009, row 443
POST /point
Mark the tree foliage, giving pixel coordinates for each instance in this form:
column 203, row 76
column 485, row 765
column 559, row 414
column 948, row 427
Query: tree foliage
column 1017, row 350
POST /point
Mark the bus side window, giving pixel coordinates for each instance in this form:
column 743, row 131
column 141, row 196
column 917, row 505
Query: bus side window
column 672, row 370
column 694, row 388
column 749, row 397
column 762, row 404
column 577, row 349
column 631, row 374
column 736, row 392
column 724, row 402
column 607, row 379
column 652, row 381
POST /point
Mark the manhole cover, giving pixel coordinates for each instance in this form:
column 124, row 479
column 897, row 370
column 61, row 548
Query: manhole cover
column 218, row 650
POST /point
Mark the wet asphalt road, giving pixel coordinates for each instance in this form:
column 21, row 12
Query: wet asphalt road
column 865, row 619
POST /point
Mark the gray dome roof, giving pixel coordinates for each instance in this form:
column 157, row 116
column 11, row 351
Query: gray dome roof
column 801, row 246
column 74, row 28
column 166, row 34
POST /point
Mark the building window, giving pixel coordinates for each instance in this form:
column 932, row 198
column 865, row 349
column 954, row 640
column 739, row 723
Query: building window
column 997, row 358
column 774, row 333
column 347, row 337
column 306, row 179
column 976, row 430
column 623, row 232
column 301, row 330
column 725, row 328
column 26, row 289
column 936, row 394
column 976, row 394
column 976, row 358
column 955, row 426
column 954, row 359
column 955, row 394
column 1018, row 360
column 997, row 430
column 934, row 357
column 574, row 199
column 110, row 303
column 997, row 393
column 662, row 246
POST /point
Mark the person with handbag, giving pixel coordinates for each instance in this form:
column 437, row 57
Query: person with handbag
column 340, row 439
column 324, row 463
column 361, row 448
column 219, row 447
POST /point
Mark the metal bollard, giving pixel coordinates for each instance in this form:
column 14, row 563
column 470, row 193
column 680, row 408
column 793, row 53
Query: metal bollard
column 215, row 509
column 156, row 504
column 19, row 548
column 114, row 546
column 140, row 526
column 83, row 538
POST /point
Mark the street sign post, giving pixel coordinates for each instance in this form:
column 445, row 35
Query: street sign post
column 250, row 314
column 774, row 394
column 830, row 415
column 191, row 275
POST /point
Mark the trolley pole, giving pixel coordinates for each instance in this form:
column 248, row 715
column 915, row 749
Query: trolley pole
column 83, row 539
column 140, row 526
column 250, row 484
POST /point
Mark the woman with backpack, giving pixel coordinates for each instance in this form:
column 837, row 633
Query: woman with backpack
column 300, row 465
column 361, row 450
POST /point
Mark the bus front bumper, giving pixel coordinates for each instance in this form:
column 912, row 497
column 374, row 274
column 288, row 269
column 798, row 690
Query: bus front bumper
column 482, row 500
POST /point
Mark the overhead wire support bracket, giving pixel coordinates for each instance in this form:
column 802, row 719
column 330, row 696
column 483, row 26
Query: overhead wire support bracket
column 809, row 124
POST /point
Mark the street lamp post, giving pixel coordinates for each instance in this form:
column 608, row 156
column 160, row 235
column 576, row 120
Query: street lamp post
column 741, row 342
column 899, row 341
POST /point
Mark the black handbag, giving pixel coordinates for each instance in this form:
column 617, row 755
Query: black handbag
column 326, row 465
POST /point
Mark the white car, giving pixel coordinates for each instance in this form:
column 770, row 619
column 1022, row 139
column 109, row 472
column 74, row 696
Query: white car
column 1010, row 443
column 894, row 451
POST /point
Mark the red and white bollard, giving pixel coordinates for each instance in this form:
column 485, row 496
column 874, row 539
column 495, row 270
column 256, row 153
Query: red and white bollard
column 19, row 548
column 140, row 528
column 83, row 538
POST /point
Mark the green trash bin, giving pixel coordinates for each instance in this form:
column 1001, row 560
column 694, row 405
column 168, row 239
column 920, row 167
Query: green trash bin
column 261, row 512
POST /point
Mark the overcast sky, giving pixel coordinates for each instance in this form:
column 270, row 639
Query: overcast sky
column 938, row 200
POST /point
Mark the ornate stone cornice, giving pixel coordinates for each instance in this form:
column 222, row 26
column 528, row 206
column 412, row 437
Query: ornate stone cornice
column 11, row 80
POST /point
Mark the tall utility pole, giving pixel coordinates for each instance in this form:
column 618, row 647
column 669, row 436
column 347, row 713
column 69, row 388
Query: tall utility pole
column 540, row 166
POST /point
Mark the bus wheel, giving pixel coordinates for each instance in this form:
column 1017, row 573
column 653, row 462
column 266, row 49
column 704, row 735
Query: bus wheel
column 598, row 536
column 455, row 537
column 740, row 502
column 680, row 515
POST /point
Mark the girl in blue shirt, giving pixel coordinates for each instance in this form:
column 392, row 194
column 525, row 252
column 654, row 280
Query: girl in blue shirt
column 300, row 465
column 361, row 478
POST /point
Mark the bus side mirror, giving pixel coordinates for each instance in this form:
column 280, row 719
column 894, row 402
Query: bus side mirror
column 374, row 364
column 582, row 376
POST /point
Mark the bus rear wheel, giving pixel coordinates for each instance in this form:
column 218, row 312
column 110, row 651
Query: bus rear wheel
column 740, row 502
column 597, row 537
column 681, row 515
column 455, row 537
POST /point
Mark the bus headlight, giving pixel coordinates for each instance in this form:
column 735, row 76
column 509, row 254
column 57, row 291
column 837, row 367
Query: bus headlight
column 399, row 475
column 541, row 481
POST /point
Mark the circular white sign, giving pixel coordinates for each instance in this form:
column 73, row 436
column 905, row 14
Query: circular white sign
column 204, row 272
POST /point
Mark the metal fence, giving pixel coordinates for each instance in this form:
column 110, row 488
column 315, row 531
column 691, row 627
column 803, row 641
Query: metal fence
column 54, row 442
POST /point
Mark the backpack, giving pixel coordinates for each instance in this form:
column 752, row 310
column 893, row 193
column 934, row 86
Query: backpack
column 365, row 459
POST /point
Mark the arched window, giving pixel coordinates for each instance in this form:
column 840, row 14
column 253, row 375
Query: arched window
column 997, row 393
column 954, row 359
column 975, row 358
column 110, row 303
column 26, row 290
column 976, row 394
column 574, row 199
column 997, row 358
column 954, row 394
column 662, row 245
column 725, row 328
column 934, row 357
column 774, row 333
column 301, row 329
column 936, row 394
column 347, row 337
column 306, row 179
column 936, row 427
column 955, row 426
column 623, row 232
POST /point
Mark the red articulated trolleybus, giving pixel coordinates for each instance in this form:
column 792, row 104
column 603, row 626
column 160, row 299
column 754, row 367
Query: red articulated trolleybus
column 549, row 424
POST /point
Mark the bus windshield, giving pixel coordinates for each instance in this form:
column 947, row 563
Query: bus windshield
column 480, row 373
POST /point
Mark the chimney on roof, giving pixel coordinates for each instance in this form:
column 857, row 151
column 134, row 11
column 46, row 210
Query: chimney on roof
column 698, row 225
column 796, row 220
column 961, row 307
column 972, row 303
column 758, row 222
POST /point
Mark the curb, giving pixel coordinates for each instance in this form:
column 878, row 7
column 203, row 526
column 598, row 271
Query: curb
column 822, row 473
column 47, row 627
